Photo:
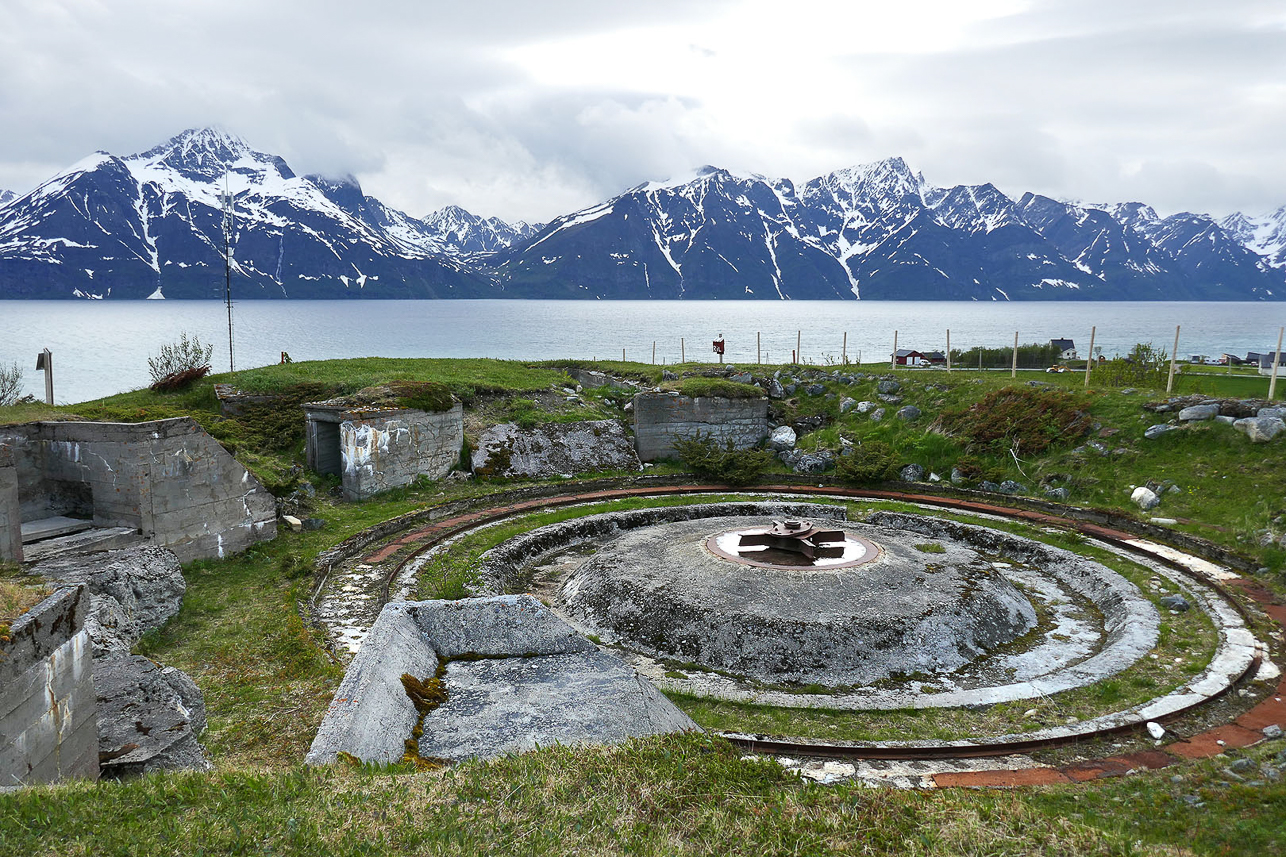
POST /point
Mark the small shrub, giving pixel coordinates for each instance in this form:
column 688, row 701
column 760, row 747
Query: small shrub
column 179, row 357
column 871, row 462
column 1024, row 420
column 704, row 457
column 10, row 384
column 176, row 381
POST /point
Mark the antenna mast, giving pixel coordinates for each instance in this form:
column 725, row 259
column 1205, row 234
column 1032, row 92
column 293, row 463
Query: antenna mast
column 229, row 225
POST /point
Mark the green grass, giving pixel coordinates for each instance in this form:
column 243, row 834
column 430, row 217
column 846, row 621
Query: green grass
column 465, row 377
column 670, row 795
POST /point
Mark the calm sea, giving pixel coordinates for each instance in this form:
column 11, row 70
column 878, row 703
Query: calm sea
column 101, row 347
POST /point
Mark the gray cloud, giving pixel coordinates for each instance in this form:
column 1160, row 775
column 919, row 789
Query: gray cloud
column 1181, row 104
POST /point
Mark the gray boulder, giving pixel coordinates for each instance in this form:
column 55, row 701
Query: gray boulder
column 814, row 389
column 911, row 473
column 957, row 478
column 909, row 414
column 865, row 407
column 132, row 591
column 667, row 375
column 1175, row 602
column 1154, row 432
column 1260, row 429
column 149, row 718
column 782, row 438
column 888, row 385
column 1199, row 412
column 1009, row 486
column 1226, row 420
column 813, row 462
column 1271, row 413
column 847, row 404
column 554, row 448
column 775, row 389
column 988, row 485
column 888, row 398
column 877, row 415
column 790, row 389
column 742, row 378
column 1059, row 495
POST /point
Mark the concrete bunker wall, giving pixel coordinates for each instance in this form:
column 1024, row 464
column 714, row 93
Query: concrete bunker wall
column 10, row 508
column 660, row 418
column 375, row 451
column 48, row 725
column 168, row 479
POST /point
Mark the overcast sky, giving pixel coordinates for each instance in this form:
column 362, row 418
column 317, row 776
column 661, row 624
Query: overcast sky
column 527, row 109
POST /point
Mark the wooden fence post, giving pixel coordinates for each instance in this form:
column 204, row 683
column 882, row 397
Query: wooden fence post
column 1090, row 360
column 1277, row 359
column 948, row 349
column 1174, row 354
column 1013, row 373
column 893, row 361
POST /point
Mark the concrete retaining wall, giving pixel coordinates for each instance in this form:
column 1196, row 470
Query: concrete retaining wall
column 660, row 418
column 168, row 479
column 376, row 451
column 48, row 728
column 10, row 509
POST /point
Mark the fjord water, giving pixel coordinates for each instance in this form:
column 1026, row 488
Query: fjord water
column 101, row 347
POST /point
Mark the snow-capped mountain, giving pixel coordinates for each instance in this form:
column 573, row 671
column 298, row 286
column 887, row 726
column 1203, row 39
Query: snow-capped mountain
column 151, row 224
column 715, row 235
column 6, row 197
column 466, row 235
column 1264, row 235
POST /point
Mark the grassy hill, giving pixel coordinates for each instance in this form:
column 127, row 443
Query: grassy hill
column 267, row 680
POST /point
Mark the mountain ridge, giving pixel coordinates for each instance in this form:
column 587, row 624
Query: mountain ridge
column 151, row 225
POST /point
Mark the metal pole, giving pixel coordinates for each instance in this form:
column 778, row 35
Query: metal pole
column 653, row 352
column 948, row 349
column 1090, row 359
column 893, row 361
column 1169, row 384
column 47, row 360
column 1272, row 383
column 1013, row 373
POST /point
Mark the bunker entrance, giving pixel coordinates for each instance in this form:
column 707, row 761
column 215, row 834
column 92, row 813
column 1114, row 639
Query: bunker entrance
column 327, row 458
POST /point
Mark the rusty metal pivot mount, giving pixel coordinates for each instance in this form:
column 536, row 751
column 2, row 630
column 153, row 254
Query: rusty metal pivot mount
column 798, row 537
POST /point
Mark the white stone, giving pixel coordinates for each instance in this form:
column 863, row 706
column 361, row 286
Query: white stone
column 1156, row 730
column 782, row 438
column 296, row 525
column 1145, row 498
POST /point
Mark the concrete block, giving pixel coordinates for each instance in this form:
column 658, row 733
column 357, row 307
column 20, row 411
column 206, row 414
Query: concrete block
column 660, row 418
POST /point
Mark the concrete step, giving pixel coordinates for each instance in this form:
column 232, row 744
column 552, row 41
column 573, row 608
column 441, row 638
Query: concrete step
column 86, row 541
column 48, row 528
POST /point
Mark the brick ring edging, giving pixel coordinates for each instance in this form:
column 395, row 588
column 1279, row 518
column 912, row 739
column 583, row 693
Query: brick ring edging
column 1240, row 733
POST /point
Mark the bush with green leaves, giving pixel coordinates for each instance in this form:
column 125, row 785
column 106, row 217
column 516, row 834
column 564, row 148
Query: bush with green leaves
column 10, row 384
column 868, row 463
column 725, row 464
column 1145, row 366
column 185, row 357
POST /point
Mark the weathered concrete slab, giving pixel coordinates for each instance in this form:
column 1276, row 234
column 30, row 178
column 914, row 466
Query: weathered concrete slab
column 93, row 540
column 512, row 705
column 556, row 448
column 49, row 528
column 496, row 627
column 371, row 716
column 521, row 677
